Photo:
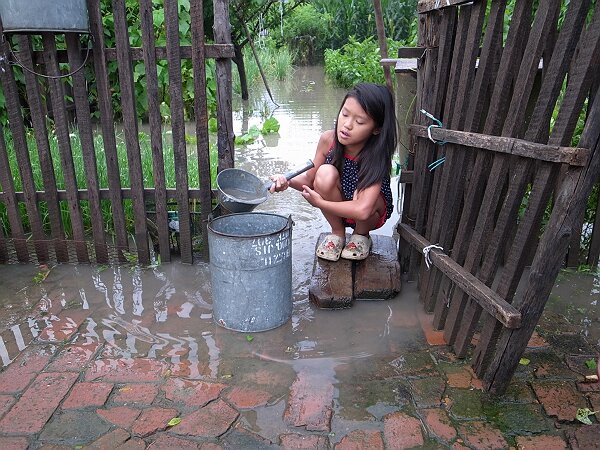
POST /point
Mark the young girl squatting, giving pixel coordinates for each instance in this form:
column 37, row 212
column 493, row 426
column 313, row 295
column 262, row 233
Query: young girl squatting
column 350, row 182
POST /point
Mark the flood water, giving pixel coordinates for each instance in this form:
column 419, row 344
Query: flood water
column 165, row 312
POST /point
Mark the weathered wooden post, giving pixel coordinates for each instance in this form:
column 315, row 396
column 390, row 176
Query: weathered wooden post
column 225, row 136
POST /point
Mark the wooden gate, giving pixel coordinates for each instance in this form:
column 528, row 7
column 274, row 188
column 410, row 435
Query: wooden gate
column 32, row 238
column 498, row 184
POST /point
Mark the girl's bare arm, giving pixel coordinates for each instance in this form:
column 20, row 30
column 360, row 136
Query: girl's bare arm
column 361, row 207
column 307, row 178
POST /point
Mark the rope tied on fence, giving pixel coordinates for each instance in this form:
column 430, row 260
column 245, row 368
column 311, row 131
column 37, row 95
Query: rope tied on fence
column 438, row 124
column 426, row 251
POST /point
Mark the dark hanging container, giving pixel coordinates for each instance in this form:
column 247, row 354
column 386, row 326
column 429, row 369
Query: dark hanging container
column 39, row 16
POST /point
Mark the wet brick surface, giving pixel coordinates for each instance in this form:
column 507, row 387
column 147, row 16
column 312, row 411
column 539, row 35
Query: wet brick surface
column 21, row 372
column 38, row 403
column 82, row 394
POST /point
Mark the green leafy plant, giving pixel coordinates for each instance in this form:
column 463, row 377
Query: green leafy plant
column 591, row 364
column 271, row 125
column 341, row 65
column 249, row 137
column 583, row 415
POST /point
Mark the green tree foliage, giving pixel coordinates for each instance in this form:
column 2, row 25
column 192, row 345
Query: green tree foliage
column 356, row 18
column 306, row 30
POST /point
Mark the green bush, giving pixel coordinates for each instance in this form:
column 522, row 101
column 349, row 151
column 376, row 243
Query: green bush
column 306, row 31
column 357, row 62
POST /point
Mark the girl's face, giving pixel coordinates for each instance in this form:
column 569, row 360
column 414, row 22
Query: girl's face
column 354, row 125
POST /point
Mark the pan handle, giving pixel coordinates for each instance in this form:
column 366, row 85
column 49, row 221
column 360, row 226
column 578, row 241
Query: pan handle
column 293, row 173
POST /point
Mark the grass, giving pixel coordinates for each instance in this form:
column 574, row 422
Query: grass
column 277, row 63
column 106, row 207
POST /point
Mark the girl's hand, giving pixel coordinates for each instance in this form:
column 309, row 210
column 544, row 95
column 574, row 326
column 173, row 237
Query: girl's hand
column 311, row 196
column 280, row 183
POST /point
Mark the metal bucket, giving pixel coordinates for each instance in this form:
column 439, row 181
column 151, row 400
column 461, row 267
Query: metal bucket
column 36, row 16
column 251, row 270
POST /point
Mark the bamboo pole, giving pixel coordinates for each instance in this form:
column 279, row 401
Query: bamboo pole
column 382, row 43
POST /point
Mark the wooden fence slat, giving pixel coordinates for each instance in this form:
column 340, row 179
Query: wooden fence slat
column 574, row 156
column 444, row 214
column 425, row 6
column 11, row 203
column 544, row 180
column 84, row 125
column 178, row 127
column 582, row 73
column 155, row 120
column 462, row 157
column 486, row 297
column 580, row 76
column 429, row 98
column 38, row 119
column 201, row 112
column 518, row 255
column 225, row 134
column 105, row 194
column 448, row 96
column 594, row 253
column 13, row 107
column 539, row 124
column 493, row 195
column 108, row 129
column 59, row 112
column 130, row 129
column 137, row 53
column 216, row 51
column 511, row 57
column 570, row 203
column 3, row 248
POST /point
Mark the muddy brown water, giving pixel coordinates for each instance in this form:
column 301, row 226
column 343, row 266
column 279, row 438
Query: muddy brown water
column 165, row 312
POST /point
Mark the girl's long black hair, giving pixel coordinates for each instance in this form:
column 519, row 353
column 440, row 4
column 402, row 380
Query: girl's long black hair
column 375, row 159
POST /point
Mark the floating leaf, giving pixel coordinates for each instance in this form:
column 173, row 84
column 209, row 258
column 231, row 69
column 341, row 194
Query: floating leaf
column 591, row 364
column 226, row 376
column 249, row 337
column 524, row 361
column 174, row 421
column 583, row 415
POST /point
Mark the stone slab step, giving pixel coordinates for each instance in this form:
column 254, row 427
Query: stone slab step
column 336, row 285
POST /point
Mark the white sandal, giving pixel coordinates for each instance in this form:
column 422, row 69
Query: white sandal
column 357, row 248
column 331, row 247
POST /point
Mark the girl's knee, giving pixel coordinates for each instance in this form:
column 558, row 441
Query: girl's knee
column 326, row 178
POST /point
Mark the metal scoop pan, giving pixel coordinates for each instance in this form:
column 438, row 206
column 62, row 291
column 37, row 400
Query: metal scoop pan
column 242, row 191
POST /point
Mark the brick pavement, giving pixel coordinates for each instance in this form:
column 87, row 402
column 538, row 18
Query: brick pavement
column 77, row 395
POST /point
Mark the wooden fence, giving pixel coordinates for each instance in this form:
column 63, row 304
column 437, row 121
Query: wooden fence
column 497, row 184
column 29, row 239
